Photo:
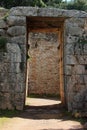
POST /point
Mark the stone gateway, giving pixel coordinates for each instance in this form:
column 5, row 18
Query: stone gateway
column 15, row 29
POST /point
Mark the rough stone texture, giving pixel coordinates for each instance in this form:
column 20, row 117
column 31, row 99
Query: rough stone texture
column 16, row 30
column 13, row 57
column 3, row 24
column 35, row 11
column 43, row 64
column 18, row 39
column 75, row 64
column 16, row 20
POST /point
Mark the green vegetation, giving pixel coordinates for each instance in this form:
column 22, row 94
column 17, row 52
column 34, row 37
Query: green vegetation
column 44, row 96
column 73, row 4
column 6, row 115
column 78, row 4
column 5, row 17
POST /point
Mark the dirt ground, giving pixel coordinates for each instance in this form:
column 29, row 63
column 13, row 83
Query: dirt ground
column 42, row 114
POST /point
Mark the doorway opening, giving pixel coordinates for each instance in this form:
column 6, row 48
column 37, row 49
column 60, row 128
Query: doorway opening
column 45, row 53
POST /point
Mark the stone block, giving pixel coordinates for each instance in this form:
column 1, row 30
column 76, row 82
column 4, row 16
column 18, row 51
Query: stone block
column 82, row 59
column 78, row 98
column 69, row 49
column 6, row 86
column 2, row 32
column 73, row 30
column 19, row 101
column 14, row 67
column 4, row 58
column 3, row 24
column 79, row 87
column 19, row 88
column 18, row 39
column 16, row 31
column 14, row 52
column 75, row 59
column 4, row 67
column 12, row 78
column 24, row 11
column 70, row 60
column 68, row 70
column 16, row 20
column 35, row 11
column 78, row 69
column 70, row 39
column 6, row 101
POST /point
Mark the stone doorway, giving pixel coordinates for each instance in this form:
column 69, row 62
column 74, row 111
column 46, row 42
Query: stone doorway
column 72, row 54
column 52, row 27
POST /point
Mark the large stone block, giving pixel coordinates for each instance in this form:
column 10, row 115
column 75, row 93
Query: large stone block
column 6, row 100
column 78, row 69
column 35, row 11
column 3, row 24
column 69, row 49
column 4, row 57
column 73, row 30
column 4, row 67
column 14, row 52
column 70, row 60
column 16, row 31
column 18, row 39
column 19, row 101
column 24, row 11
column 68, row 70
column 2, row 32
column 82, row 59
column 16, row 20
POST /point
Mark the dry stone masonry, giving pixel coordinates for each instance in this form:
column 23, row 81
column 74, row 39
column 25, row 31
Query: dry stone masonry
column 14, row 34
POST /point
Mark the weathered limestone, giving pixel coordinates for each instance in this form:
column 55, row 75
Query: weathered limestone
column 35, row 11
column 16, row 30
column 72, row 60
column 18, row 39
column 75, row 65
column 16, row 20
column 3, row 24
column 2, row 32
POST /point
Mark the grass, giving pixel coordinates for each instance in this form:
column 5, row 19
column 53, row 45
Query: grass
column 7, row 115
column 44, row 96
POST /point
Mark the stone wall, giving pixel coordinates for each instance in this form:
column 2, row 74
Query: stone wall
column 43, row 64
column 75, row 52
column 12, row 63
column 13, row 57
